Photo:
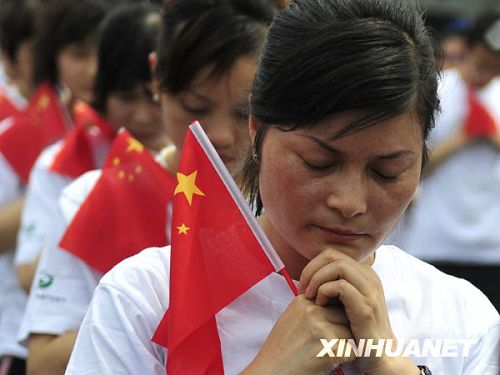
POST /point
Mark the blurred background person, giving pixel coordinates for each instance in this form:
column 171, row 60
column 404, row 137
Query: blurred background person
column 455, row 218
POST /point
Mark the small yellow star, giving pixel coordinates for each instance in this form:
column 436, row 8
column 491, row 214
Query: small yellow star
column 187, row 185
column 43, row 102
column 116, row 161
column 182, row 229
column 134, row 145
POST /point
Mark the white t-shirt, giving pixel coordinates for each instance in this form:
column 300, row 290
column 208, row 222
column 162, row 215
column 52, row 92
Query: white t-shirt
column 12, row 297
column 130, row 301
column 43, row 191
column 63, row 284
column 456, row 215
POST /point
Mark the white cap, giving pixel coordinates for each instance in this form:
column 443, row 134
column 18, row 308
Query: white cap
column 492, row 36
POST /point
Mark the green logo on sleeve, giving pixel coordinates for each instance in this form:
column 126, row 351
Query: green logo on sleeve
column 45, row 280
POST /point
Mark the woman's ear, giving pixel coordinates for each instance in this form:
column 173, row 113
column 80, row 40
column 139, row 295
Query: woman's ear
column 155, row 85
column 253, row 125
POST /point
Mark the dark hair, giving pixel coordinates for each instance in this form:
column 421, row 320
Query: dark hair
column 17, row 25
column 126, row 37
column 199, row 33
column 60, row 23
column 321, row 58
column 481, row 26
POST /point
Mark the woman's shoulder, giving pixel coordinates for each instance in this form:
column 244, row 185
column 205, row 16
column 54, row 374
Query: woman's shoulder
column 47, row 156
column 142, row 278
column 426, row 291
column 73, row 195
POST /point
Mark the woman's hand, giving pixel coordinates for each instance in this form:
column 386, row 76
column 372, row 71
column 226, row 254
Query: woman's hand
column 294, row 341
column 334, row 276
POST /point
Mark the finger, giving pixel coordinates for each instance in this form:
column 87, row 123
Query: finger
column 348, row 295
column 346, row 269
column 335, row 315
column 324, row 258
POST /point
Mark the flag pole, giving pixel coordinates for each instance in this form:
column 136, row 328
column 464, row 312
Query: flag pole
column 237, row 196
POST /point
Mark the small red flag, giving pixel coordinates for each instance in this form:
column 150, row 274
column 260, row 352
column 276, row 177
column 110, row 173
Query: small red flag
column 218, row 253
column 125, row 212
column 76, row 155
column 43, row 122
column 7, row 108
column 479, row 122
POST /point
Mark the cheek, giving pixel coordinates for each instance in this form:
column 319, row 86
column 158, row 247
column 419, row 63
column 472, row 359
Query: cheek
column 282, row 188
column 390, row 203
column 175, row 124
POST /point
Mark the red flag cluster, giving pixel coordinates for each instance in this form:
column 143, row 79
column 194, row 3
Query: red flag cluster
column 126, row 210
column 7, row 109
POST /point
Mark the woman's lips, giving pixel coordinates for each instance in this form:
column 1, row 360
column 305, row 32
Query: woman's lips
column 341, row 234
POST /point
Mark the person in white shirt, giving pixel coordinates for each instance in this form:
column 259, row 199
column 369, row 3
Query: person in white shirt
column 343, row 100
column 454, row 219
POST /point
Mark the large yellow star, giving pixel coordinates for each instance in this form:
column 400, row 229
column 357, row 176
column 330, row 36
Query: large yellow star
column 182, row 229
column 187, row 185
column 134, row 145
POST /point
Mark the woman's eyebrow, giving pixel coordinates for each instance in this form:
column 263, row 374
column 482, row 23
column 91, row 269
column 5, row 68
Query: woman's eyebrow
column 395, row 155
column 322, row 144
column 333, row 150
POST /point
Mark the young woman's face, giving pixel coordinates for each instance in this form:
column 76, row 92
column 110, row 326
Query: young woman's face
column 76, row 64
column 136, row 111
column 345, row 194
column 221, row 106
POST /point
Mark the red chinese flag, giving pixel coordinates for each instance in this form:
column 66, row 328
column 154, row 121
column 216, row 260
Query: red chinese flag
column 76, row 155
column 43, row 122
column 7, row 109
column 479, row 122
column 126, row 210
column 217, row 255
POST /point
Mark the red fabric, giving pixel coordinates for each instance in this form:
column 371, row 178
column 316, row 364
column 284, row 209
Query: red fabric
column 212, row 263
column 7, row 109
column 479, row 122
column 40, row 124
column 76, row 155
column 126, row 210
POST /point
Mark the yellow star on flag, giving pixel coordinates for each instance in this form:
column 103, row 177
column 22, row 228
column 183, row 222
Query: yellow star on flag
column 134, row 145
column 182, row 229
column 43, row 102
column 187, row 185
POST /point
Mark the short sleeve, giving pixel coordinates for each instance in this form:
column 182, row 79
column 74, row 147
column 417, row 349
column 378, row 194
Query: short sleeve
column 42, row 196
column 63, row 284
column 484, row 358
column 115, row 338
